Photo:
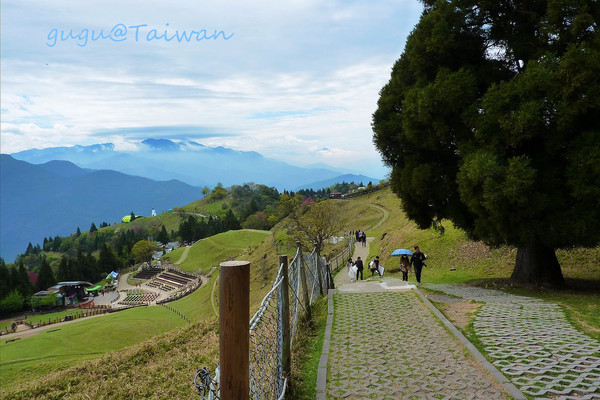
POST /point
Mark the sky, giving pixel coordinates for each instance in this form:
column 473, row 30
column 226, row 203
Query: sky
column 293, row 80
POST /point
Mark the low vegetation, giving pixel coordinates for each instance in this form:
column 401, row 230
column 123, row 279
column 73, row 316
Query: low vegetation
column 107, row 363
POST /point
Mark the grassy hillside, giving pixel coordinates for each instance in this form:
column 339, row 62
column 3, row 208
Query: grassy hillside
column 209, row 252
column 163, row 366
column 30, row 358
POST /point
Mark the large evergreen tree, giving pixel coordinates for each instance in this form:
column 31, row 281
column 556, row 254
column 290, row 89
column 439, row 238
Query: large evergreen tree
column 491, row 119
column 107, row 261
column 21, row 280
column 163, row 236
column 46, row 277
column 5, row 283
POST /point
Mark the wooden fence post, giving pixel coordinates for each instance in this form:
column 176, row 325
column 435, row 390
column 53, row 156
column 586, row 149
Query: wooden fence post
column 302, row 267
column 319, row 273
column 285, row 318
column 234, row 328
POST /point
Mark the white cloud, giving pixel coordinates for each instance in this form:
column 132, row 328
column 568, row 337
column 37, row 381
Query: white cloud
column 296, row 77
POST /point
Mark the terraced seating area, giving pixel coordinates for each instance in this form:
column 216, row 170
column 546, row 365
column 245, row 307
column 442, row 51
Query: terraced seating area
column 147, row 273
column 170, row 280
column 160, row 284
column 138, row 296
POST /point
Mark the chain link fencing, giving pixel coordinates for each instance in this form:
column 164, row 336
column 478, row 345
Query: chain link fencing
column 309, row 278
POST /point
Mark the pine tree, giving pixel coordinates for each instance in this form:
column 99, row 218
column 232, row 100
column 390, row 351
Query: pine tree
column 93, row 228
column 46, row 277
column 22, row 283
column 163, row 236
column 5, row 283
column 63, row 269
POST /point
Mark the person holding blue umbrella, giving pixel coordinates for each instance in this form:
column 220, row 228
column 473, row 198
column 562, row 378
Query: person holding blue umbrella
column 404, row 267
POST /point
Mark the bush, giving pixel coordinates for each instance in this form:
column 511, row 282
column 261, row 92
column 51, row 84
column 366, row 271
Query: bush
column 12, row 303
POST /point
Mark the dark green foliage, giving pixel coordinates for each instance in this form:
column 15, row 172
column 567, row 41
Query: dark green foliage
column 46, row 277
column 29, row 249
column 21, row 281
column 93, row 227
column 491, row 119
column 107, row 261
column 12, row 303
column 5, row 283
column 230, row 222
column 63, row 272
column 163, row 236
column 194, row 229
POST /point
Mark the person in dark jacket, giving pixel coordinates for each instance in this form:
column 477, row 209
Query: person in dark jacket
column 359, row 268
column 417, row 261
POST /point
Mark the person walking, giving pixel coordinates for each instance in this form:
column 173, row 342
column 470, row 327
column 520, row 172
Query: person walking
column 404, row 267
column 349, row 264
column 359, row 268
column 418, row 261
column 374, row 266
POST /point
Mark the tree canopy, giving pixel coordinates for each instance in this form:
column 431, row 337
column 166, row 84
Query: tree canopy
column 313, row 224
column 491, row 119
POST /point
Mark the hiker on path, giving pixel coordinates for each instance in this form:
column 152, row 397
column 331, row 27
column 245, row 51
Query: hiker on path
column 417, row 261
column 349, row 264
column 359, row 268
column 374, row 266
column 363, row 238
column 404, row 267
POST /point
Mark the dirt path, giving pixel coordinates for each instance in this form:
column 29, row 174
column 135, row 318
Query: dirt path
column 32, row 332
column 183, row 256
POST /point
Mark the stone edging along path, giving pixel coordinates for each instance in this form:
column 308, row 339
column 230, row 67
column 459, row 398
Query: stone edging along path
column 532, row 342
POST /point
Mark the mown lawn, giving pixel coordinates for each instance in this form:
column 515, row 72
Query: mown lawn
column 32, row 357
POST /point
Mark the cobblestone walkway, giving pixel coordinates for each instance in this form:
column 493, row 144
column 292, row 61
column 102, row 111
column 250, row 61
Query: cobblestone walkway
column 389, row 345
column 533, row 344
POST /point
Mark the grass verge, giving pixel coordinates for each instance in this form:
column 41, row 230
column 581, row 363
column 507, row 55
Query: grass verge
column 306, row 353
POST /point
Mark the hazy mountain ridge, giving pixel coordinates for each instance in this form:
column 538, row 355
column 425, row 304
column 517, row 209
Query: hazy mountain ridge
column 53, row 191
column 188, row 161
column 57, row 197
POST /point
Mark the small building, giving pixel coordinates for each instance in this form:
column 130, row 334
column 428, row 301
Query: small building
column 336, row 195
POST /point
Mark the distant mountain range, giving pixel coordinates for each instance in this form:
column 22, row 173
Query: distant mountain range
column 49, row 192
column 349, row 178
column 55, row 198
column 187, row 161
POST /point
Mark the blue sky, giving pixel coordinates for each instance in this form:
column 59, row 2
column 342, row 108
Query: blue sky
column 293, row 80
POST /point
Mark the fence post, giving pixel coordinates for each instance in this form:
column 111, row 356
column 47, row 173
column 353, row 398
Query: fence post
column 319, row 273
column 330, row 276
column 234, row 325
column 304, row 285
column 285, row 319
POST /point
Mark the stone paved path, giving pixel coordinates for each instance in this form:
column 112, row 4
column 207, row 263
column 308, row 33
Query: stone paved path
column 386, row 344
column 534, row 344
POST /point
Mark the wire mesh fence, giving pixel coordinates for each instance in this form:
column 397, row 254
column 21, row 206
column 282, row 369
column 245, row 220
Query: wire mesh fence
column 308, row 278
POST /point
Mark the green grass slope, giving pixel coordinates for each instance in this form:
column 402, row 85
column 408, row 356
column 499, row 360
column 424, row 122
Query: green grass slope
column 163, row 366
column 27, row 359
column 30, row 358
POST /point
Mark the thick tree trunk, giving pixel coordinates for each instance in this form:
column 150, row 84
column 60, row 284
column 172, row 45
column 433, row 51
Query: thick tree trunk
column 536, row 264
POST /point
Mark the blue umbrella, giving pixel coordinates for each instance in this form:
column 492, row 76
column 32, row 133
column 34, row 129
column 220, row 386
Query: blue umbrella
column 402, row 252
